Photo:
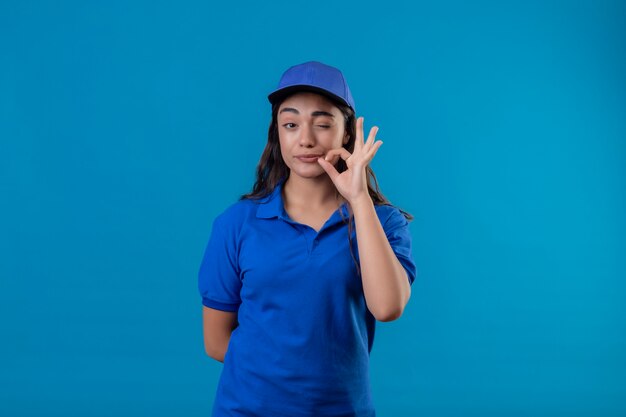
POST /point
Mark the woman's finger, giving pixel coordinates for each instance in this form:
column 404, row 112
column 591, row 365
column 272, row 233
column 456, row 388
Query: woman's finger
column 358, row 142
column 370, row 154
column 342, row 152
column 372, row 136
column 329, row 168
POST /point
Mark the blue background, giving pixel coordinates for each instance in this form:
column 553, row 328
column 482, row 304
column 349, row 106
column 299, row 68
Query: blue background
column 126, row 127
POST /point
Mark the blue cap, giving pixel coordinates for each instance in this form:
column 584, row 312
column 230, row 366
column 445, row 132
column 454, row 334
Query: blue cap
column 316, row 77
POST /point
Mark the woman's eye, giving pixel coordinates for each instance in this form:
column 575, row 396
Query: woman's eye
column 287, row 125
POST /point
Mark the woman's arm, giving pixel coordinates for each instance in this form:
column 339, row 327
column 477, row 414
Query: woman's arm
column 385, row 281
column 217, row 327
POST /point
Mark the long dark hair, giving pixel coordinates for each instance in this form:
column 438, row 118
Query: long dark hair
column 271, row 169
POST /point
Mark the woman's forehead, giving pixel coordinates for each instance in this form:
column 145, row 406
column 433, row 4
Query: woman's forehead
column 304, row 101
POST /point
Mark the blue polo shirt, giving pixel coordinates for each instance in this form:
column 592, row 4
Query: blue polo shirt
column 305, row 334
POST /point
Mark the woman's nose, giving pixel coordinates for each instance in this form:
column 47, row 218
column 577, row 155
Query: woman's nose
column 306, row 136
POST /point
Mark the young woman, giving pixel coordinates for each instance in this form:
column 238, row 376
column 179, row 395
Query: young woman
column 296, row 273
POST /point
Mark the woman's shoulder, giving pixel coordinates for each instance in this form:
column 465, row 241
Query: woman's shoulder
column 384, row 211
column 238, row 211
column 389, row 214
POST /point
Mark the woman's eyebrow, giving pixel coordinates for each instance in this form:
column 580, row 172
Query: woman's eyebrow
column 315, row 113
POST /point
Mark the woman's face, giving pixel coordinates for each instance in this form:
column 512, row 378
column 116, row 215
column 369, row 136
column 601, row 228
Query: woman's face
column 309, row 124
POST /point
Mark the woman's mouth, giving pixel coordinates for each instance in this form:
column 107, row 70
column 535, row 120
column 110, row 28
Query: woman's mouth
column 309, row 159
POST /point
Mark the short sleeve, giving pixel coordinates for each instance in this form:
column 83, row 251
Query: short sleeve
column 397, row 230
column 219, row 280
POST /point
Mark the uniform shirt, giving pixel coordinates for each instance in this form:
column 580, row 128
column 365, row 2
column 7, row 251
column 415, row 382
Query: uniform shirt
column 305, row 334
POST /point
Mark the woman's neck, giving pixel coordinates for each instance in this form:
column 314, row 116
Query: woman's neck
column 311, row 192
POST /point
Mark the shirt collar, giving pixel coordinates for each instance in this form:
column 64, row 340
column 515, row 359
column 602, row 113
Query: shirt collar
column 272, row 206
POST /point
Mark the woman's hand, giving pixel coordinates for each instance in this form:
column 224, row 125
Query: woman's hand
column 352, row 183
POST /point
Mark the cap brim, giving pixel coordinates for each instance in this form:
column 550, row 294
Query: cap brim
column 279, row 95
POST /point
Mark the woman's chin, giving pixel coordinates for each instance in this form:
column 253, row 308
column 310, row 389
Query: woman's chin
column 311, row 172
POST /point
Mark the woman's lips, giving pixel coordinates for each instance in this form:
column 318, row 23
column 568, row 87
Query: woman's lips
column 309, row 159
